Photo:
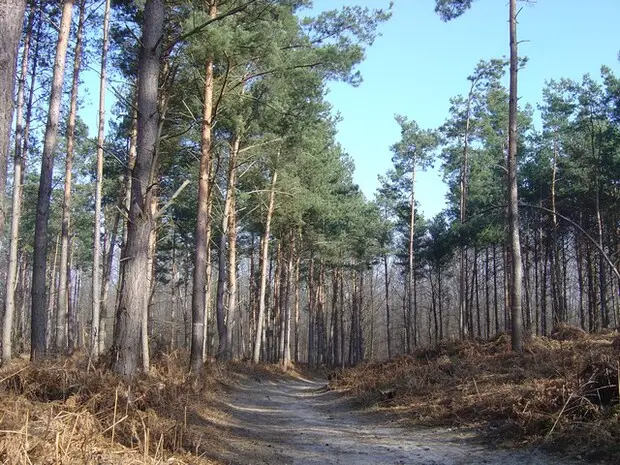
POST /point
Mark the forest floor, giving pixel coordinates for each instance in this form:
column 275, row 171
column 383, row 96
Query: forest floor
column 286, row 421
column 460, row 403
column 561, row 394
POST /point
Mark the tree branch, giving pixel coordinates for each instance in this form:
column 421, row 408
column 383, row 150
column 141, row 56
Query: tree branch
column 201, row 27
column 161, row 211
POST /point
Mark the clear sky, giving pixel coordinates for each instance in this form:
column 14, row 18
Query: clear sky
column 420, row 62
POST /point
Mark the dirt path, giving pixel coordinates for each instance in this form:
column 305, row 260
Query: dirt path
column 298, row 422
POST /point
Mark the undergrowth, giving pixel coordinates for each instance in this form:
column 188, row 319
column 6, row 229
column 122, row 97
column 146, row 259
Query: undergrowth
column 65, row 412
column 561, row 392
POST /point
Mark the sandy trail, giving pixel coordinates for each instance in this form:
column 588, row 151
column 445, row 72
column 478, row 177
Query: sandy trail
column 299, row 422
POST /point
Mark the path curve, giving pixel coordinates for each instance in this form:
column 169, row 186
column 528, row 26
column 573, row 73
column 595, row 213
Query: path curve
column 300, row 422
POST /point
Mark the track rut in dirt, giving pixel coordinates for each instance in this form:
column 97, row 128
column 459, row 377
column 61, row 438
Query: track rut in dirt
column 300, row 422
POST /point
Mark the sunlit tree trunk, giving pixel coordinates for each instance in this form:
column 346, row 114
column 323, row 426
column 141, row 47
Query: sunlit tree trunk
column 336, row 329
column 63, row 293
column 220, row 310
column 232, row 243
column 135, row 287
column 387, row 306
column 38, row 310
column 410, row 276
column 513, row 205
column 11, row 23
column 462, row 216
column 559, row 313
column 287, row 306
column 151, row 266
column 51, row 301
column 21, row 136
column 208, row 289
column 264, row 261
column 96, row 280
column 202, row 220
column 73, row 325
column 297, row 285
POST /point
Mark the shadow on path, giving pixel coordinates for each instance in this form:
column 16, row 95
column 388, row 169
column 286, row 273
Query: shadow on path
column 299, row 422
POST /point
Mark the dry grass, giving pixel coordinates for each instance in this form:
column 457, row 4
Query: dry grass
column 561, row 392
column 59, row 412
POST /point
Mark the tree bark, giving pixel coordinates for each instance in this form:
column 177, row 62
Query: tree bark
column 135, row 287
column 513, row 205
column 151, row 266
column 38, row 291
column 206, row 344
column 410, row 277
column 286, row 358
column 264, row 259
column 559, row 313
column 462, row 215
column 96, row 289
column 202, row 220
column 232, row 243
column 11, row 23
column 297, row 285
column 63, row 294
column 221, row 286
column 53, row 286
column 387, row 306
column 21, row 136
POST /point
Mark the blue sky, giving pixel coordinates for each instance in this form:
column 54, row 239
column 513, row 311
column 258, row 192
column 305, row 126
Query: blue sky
column 420, row 62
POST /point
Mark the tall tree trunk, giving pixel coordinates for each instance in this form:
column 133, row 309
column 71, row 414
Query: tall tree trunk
column 108, row 263
column 580, row 281
column 53, row 286
column 73, row 336
column 21, row 136
column 135, row 287
column 287, row 306
column 63, row 293
column 342, row 329
column 202, row 220
column 232, row 249
column 335, row 352
column 360, row 318
column 513, row 205
column 131, row 163
column 96, row 281
column 11, row 23
column 281, row 305
column 23, row 285
column 410, row 277
column 174, row 285
column 440, row 301
column 297, row 285
column 221, row 286
column 559, row 313
column 206, row 344
column 310, row 285
column 37, row 348
column 387, row 306
column 526, row 282
column 151, row 266
column 495, row 292
column 463, row 333
column 487, row 293
column 264, row 259
column 232, row 244
column 320, row 317
column 434, row 305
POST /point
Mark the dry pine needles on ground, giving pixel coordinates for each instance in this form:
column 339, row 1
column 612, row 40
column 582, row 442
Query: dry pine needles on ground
column 59, row 412
column 561, row 392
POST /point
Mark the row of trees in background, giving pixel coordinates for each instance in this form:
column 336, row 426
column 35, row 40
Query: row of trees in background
column 220, row 215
